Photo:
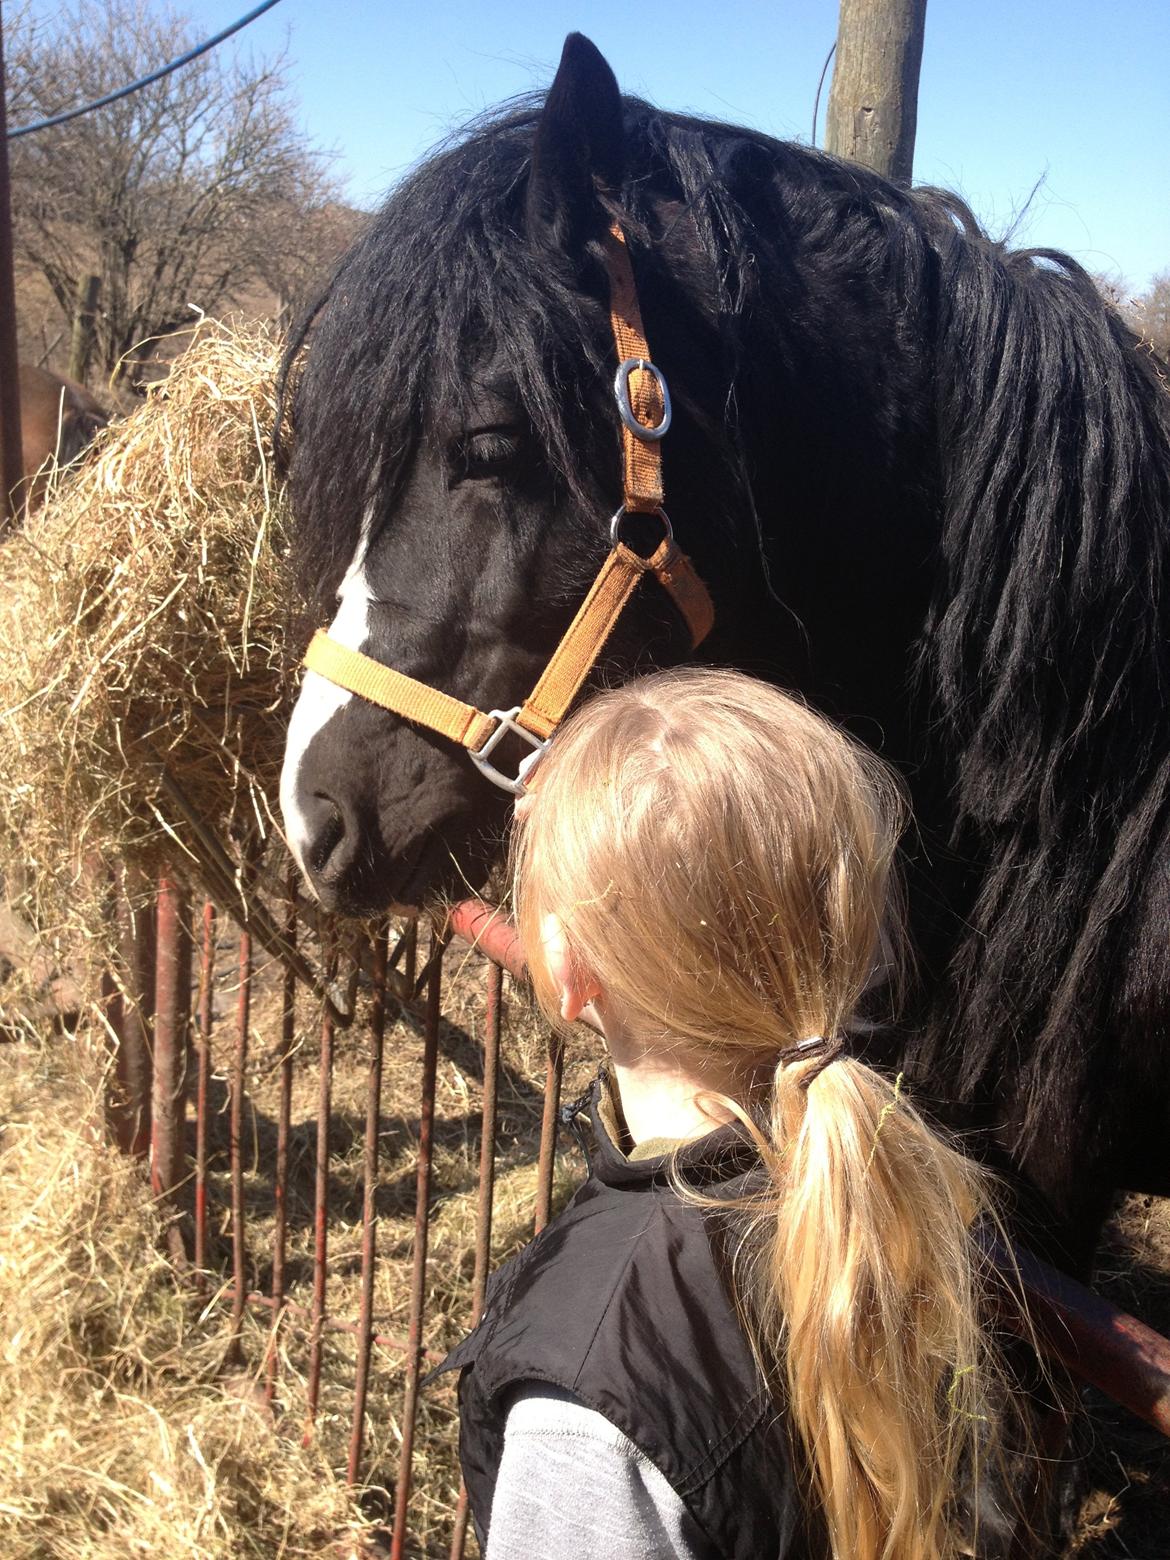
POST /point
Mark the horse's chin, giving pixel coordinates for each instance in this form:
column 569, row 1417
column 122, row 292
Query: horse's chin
column 365, row 906
column 431, row 881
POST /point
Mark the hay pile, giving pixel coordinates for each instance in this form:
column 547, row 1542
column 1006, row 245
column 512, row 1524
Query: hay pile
column 145, row 617
column 122, row 1434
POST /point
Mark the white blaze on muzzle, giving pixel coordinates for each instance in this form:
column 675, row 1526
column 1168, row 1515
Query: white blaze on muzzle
column 319, row 699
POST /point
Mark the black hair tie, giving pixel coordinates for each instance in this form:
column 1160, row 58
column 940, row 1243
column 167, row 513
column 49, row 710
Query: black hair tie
column 831, row 1047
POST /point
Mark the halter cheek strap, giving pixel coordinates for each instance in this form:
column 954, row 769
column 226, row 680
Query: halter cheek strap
column 639, row 388
column 643, row 402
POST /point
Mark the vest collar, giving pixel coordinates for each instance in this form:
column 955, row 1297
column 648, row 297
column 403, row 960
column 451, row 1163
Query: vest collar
column 719, row 1155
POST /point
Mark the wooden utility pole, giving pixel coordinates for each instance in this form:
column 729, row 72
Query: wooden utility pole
column 873, row 103
column 84, row 310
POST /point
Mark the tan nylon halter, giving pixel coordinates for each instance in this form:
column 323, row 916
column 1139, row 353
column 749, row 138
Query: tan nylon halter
column 644, row 404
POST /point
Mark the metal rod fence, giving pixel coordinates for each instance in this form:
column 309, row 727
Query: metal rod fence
column 321, row 1195
column 288, row 1026
column 172, row 1012
column 202, row 1085
column 148, row 1008
column 493, row 1015
column 369, row 1208
column 422, row 1212
column 236, row 1145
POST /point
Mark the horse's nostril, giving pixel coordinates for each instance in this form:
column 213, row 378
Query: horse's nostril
column 329, row 835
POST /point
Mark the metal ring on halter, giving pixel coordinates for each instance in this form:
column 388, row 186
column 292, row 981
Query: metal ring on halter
column 615, row 524
column 621, row 390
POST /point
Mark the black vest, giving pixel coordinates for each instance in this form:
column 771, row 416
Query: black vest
column 622, row 1301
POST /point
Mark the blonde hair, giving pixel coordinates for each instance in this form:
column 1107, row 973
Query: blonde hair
column 720, row 859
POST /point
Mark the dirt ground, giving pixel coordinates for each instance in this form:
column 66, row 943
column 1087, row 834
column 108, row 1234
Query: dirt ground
column 1125, row 1514
column 1125, row 1509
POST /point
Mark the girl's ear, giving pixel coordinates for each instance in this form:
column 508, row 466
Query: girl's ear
column 579, row 139
column 577, row 986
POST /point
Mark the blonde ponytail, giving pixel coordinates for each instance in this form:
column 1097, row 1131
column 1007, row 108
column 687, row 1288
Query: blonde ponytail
column 719, row 858
column 869, row 1289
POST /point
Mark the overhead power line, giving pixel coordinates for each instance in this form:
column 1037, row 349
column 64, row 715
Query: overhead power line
column 820, row 84
column 144, row 81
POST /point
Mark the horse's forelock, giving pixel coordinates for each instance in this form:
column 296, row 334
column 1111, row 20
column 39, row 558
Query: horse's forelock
column 445, row 272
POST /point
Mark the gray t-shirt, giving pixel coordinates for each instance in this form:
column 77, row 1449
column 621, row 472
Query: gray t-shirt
column 571, row 1486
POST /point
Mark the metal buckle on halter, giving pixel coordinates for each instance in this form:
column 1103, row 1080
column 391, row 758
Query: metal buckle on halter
column 506, row 721
column 621, row 390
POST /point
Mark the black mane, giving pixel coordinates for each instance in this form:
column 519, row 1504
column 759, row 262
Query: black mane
column 444, row 272
column 1044, row 659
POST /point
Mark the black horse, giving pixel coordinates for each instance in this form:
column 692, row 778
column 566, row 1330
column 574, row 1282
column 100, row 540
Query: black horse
column 927, row 482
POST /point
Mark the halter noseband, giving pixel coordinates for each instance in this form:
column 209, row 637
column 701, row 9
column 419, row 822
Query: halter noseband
column 644, row 406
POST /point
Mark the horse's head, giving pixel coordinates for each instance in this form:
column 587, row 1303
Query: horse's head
column 455, row 465
column 456, row 446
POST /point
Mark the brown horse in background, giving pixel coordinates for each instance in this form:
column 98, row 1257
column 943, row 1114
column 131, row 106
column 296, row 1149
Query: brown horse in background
column 58, row 419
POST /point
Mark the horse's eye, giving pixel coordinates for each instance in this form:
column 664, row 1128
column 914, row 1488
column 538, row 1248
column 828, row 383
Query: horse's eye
column 486, row 453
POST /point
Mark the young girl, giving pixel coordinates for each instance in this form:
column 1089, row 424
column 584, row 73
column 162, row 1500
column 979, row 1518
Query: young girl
column 758, row 1330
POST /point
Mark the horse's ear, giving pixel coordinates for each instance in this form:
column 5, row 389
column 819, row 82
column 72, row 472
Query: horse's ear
column 579, row 140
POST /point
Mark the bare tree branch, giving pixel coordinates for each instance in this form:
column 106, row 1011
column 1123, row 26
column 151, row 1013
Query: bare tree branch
column 189, row 192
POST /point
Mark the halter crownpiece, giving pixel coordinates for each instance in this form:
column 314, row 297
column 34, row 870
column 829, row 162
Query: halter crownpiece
column 643, row 402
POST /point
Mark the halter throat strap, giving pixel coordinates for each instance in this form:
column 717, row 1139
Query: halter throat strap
column 643, row 402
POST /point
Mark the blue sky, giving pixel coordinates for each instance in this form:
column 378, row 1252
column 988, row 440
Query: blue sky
column 1075, row 93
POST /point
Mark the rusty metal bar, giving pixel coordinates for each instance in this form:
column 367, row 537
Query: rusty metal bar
column 1099, row 1344
column 288, row 1030
column 135, row 1063
column 493, row 1015
column 489, row 929
column 119, row 1122
column 321, row 1195
column 426, row 1124
column 369, row 1191
column 124, row 1108
column 11, row 461
column 202, row 1081
column 410, row 946
column 187, row 1052
column 546, row 1163
column 235, row 1141
column 172, row 1014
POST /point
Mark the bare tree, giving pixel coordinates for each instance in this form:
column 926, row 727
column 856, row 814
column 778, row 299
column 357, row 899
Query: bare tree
column 294, row 271
column 1149, row 315
column 168, row 195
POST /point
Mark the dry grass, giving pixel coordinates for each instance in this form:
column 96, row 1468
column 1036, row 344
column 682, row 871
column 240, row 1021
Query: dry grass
column 119, row 1392
column 146, row 624
column 110, row 1361
column 122, row 1434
